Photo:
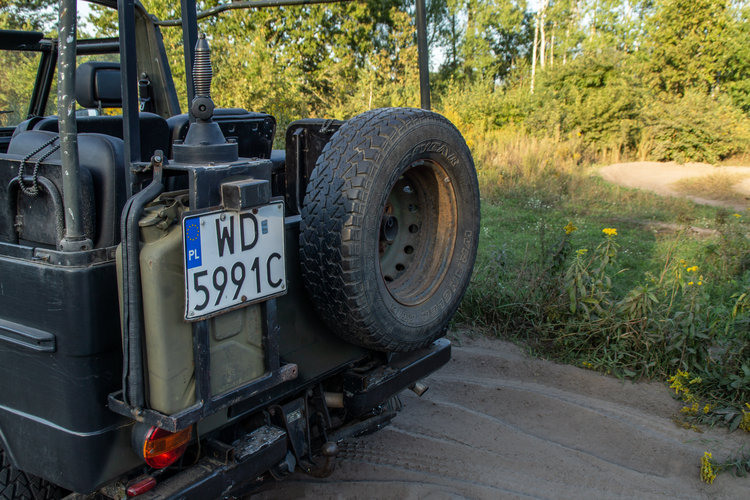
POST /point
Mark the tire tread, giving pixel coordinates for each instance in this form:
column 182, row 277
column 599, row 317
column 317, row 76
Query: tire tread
column 18, row 485
column 333, row 216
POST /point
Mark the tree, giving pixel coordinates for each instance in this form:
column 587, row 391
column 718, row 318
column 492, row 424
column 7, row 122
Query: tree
column 27, row 14
column 314, row 60
column 688, row 46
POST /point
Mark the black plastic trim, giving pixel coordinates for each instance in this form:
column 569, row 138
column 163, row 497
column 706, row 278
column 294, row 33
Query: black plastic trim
column 27, row 337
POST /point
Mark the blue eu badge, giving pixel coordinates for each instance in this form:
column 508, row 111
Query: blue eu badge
column 193, row 242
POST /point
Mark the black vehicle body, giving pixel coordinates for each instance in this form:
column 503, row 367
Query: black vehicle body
column 71, row 369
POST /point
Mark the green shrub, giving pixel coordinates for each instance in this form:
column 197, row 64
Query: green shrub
column 593, row 97
column 695, row 127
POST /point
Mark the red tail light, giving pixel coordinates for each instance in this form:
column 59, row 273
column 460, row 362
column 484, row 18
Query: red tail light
column 160, row 448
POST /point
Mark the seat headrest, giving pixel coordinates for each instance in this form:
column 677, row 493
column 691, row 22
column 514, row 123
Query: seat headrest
column 98, row 84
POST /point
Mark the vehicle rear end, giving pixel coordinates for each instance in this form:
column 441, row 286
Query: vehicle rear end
column 168, row 281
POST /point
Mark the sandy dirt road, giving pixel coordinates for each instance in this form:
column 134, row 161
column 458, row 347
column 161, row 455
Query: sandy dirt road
column 659, row 177
column 498, row 424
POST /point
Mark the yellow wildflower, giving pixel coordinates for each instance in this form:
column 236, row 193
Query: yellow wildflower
column 569, row 228
column 737, row 215
column 582, row 251
column 677, row 382
column 692, row 269
column 700, row 283
column 745, row 424
column 690, row 283
column 690, row 410
column 706, row 408
column 610, row 231
column 708, row 474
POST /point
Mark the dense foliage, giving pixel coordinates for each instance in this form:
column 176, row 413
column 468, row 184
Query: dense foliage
column 657, row 79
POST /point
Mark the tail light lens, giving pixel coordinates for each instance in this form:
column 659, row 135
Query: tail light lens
column 160, row 448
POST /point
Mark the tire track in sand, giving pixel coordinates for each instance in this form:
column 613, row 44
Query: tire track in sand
column 497, row 424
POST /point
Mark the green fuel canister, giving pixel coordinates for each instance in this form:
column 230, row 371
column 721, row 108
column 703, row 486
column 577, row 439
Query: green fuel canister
column 236, row 345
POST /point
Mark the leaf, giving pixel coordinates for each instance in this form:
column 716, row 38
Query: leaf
column 735, row 423
column 572, row 295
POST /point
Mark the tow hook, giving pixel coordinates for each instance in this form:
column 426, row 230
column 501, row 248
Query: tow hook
column 329, row 451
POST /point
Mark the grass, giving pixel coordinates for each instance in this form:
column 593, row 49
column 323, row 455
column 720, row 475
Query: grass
column 521, row 226
column 718, row 186
column 653, row 300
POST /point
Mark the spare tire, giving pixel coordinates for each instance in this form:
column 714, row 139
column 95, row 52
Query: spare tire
column 389, row 231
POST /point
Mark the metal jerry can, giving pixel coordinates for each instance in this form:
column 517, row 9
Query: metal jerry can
column 236, row 337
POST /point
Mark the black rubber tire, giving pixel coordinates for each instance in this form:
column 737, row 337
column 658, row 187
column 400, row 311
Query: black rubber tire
column 18, row 485
column 386, row 272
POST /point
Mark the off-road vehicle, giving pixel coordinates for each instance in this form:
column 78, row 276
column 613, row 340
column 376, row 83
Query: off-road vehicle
column 185, row 311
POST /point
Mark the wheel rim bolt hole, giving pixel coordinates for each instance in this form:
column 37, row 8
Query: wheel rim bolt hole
column 413, row 228
column 389, row 229
column 408, row 249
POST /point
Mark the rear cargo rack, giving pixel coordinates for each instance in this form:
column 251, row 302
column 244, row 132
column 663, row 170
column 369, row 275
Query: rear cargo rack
column 207, row 403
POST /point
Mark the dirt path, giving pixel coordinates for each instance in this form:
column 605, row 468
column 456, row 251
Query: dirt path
column 660, row 177
column 497, row 424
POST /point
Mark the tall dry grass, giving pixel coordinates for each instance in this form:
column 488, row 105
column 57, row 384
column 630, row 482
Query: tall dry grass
column 715, row 186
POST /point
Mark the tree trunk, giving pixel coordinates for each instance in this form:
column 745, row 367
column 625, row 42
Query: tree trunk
column 542, row 38
column 533, row 52
column 593, row 23
column 552, row 47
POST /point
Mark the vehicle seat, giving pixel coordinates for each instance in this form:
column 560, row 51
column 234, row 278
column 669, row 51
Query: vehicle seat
column 97, row 87
column 102, row 162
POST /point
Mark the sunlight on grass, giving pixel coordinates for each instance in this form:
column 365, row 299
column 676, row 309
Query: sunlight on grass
column 717, row 186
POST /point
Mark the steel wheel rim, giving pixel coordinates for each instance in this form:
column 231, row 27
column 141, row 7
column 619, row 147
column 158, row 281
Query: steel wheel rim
column 417, row 232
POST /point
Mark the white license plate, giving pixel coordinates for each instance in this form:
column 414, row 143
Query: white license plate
column 232, row 259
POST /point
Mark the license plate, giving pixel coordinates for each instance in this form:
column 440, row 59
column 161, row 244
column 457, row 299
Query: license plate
column 232, row 259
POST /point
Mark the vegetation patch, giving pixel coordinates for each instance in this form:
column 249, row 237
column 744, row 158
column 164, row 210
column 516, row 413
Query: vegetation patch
column 716, row 186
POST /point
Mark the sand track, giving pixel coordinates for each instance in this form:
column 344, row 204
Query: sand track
column 660, row 177
column 497, row 424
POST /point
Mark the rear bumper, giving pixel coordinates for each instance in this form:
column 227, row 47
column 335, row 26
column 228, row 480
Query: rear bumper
column 365, row 391
column 240, row 466
column 237, row 472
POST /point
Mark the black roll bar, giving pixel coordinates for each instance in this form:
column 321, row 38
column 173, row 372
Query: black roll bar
column 190, row 38
column 128, row 67
column 74, row 238
column 423, row 55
